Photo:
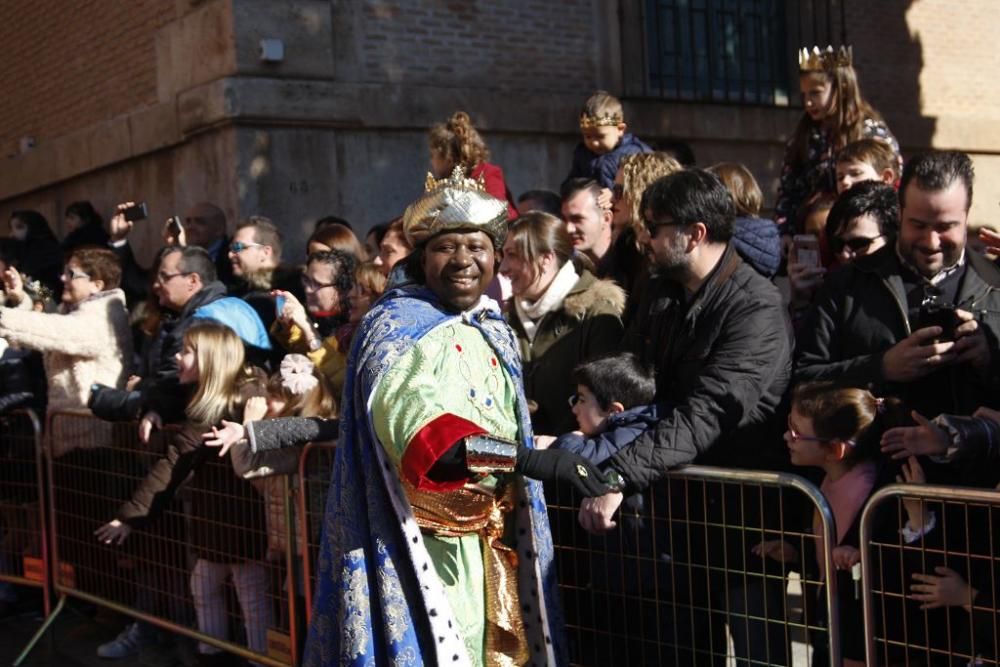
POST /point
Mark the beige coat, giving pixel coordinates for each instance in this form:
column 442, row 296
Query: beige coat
column 90, row 343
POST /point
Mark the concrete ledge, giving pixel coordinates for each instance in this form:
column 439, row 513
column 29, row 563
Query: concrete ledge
column 319, row 103
column 119, row 139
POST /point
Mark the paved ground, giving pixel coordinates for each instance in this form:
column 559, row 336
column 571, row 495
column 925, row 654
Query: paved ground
column 73, row 639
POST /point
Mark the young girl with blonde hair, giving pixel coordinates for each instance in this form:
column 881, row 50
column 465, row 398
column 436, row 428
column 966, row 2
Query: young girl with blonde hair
column 228, row 528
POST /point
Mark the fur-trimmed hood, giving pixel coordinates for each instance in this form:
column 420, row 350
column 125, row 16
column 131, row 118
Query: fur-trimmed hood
column 587, row 324
column 592, row 294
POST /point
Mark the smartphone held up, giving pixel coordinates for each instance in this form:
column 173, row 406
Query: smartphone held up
column 807, row 250
column 136, row 212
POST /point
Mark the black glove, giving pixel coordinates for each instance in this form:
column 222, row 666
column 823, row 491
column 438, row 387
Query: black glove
column 562, row 465
column 112, row 404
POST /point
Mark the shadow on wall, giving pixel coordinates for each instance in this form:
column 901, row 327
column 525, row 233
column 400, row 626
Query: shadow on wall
column 889, row 58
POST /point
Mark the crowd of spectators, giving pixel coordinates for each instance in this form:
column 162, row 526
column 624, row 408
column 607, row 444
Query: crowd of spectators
column 645, row 302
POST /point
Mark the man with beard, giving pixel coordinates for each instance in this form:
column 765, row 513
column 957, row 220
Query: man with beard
column 715, row 331
column 916, row 318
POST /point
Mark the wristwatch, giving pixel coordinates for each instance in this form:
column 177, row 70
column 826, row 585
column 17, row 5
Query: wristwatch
column 615, row 480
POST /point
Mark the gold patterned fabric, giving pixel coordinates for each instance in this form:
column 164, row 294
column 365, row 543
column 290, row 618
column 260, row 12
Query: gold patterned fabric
column 455, row 204
column 478, row 510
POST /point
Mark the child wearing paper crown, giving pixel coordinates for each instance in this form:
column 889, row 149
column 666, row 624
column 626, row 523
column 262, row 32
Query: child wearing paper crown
column 835, row 115
column 605, row 141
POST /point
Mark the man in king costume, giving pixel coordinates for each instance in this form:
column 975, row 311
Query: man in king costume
column 436, row 548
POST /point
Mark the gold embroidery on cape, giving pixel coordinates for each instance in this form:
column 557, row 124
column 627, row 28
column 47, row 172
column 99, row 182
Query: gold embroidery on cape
column 393, row 601
column 355, row 626
column 457, row 513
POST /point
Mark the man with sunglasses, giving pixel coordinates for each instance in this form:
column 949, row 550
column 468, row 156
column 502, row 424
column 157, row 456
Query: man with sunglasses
column 715, row 331
column 255, row 256
column 915, row 318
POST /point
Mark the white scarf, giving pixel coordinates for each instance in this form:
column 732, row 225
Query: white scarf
column 531, row 313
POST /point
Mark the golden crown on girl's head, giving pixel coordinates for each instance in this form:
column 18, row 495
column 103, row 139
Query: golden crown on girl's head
column 819, row 60
column 604, row 120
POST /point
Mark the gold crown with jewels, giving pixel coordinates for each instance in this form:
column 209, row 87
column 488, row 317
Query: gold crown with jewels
column 604, row 120
column 822, row 60
column 455, row 203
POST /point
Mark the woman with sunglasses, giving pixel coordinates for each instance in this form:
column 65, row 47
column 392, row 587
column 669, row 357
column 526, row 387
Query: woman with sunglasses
column 863, row 220
column 561, row 313
column 839, row 431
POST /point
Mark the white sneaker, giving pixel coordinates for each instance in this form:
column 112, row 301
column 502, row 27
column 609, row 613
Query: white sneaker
column 128, row 642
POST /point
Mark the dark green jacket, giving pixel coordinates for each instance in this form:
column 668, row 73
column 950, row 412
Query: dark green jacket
column 587, row 325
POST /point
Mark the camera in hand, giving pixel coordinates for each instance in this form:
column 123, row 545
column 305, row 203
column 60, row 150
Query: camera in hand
column 136, row 212
column 934, row 313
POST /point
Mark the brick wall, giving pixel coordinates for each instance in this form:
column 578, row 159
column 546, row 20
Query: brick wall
column 520, row 45
column 68, row 65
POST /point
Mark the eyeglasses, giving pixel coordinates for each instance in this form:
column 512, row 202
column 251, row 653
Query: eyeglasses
column 617, row 192
column 804, row 438
column 238, row 246
column 652, row 225
column 164, row 278
column 795, row 435
column 74, row 274
column 855, row 245
column 313, row 286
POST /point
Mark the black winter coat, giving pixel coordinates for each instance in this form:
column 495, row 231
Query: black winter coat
column 723, row 363
column 861, row 312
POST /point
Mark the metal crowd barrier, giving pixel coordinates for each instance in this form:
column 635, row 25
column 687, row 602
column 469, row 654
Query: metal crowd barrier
column 215, row 565
column 315, row 472
column 677, row 581
column 24, row 557
column 964, row 540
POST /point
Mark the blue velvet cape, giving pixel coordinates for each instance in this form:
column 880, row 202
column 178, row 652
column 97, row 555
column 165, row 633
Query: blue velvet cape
column 375, row 603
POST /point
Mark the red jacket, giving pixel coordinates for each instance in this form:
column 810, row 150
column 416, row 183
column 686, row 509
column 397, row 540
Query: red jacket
column 495, row 185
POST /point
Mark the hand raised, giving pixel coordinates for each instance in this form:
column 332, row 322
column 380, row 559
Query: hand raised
column 255, row 409
column 119, row 227
column 225, row 437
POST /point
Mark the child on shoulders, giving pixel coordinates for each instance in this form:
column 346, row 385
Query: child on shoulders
column 605, row 141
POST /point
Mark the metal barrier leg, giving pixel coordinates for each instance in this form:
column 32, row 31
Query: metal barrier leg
column 41, row 632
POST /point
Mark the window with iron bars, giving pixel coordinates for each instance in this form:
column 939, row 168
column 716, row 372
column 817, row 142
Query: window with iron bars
column 732, row 51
